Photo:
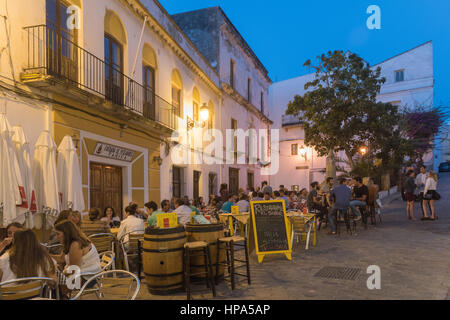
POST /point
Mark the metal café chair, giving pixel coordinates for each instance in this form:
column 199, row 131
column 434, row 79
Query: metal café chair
column 113, row 285
column 29, row 288
column 53, row 248
column 130, row 247
column 103, row 242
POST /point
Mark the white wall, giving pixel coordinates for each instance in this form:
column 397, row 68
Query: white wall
column 33, row 116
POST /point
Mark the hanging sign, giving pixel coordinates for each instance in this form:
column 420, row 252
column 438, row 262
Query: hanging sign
column 113, row 152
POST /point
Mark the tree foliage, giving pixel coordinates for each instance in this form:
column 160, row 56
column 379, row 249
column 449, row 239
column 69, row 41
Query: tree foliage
column 339, row 109
column 340, row 113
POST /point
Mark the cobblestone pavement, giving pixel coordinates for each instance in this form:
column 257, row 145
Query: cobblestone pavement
column 414, row 258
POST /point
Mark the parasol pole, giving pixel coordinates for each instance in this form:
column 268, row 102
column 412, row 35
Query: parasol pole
column 1, row 214
column 44, row 223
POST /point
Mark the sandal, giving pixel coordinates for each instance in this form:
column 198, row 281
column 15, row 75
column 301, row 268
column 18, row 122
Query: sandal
column 331, row 233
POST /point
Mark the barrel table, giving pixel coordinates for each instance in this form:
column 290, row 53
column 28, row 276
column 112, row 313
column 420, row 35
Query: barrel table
column 162, row 259
column 208, row 233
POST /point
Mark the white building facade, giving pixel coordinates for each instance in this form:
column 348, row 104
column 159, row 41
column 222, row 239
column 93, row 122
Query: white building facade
column 244, row 83
column 409, row 83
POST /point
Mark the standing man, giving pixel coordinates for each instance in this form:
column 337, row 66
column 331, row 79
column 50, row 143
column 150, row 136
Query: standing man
column 266, row 188
column 361, row 193
column 342, row 195
column 421, row 181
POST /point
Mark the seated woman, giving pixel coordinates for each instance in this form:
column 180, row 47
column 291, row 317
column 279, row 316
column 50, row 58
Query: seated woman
column 77, row 249
column 6, row 243
column 75, row 217
column 131, row 224
column 94, row 225
column 26, row 259
column 111, row 218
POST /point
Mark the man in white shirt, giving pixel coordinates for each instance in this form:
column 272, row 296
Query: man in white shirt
column 131, row 224
column 183, row 212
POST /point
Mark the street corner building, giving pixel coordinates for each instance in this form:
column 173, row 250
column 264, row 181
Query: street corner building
column 119, row 78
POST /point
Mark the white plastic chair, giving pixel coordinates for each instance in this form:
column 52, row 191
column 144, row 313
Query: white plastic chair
column 113, row 284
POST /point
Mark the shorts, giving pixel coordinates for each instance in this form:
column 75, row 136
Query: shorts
column 410, row 197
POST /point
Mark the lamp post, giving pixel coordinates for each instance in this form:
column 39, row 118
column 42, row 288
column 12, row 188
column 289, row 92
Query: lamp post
column 204, row 113
column 363, row 150
column 303, row 152
column 204, row 117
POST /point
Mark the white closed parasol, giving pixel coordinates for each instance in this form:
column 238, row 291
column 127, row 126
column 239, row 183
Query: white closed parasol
column 45, row 180
column 23, row 153
column 69, row 176
column 11, row 178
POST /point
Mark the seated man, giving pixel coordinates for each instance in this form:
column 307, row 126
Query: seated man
column 361, row 195
column 314, row 202
column 183, row 212
column 342, row 195
column 267, row 196
column 227, row 205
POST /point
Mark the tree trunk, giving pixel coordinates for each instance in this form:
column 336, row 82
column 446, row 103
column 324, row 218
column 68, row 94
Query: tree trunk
column 331, row 165
column 350, row 160
column 385, row 182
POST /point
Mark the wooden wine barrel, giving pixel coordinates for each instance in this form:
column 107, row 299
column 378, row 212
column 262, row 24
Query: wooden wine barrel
column 209, row 233
column 162, row 257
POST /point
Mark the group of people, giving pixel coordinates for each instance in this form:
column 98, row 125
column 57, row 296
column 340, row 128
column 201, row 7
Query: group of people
column 23, row 256
column 421, row 188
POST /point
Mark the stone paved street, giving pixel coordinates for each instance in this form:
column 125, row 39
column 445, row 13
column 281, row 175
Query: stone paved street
column 414, row 258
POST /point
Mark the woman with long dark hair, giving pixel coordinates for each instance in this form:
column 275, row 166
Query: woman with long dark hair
column 27, row 258
column 410, row 188
column 77, row 249
column 111, row 218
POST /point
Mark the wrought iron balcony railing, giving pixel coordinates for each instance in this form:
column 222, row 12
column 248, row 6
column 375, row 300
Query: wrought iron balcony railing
column 53, row 53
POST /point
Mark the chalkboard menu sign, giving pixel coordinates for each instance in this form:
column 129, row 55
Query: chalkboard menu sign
column 270, row 228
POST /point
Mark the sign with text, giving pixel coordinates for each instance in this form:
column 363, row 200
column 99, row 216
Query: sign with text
column 270, row 226
column 113, row 152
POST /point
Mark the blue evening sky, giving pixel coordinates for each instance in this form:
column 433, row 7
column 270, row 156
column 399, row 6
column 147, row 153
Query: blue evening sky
column 284, row 34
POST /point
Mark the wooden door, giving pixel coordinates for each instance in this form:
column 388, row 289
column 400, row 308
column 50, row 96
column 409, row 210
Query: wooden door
column 234, row 181
column 149, row 93
column 114, row 81
column 62, row 54
column 106, row 187
column 251, row 179
column 212, row 187
column 197, row 176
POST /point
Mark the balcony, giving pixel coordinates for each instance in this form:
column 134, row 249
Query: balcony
column 53, row 58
